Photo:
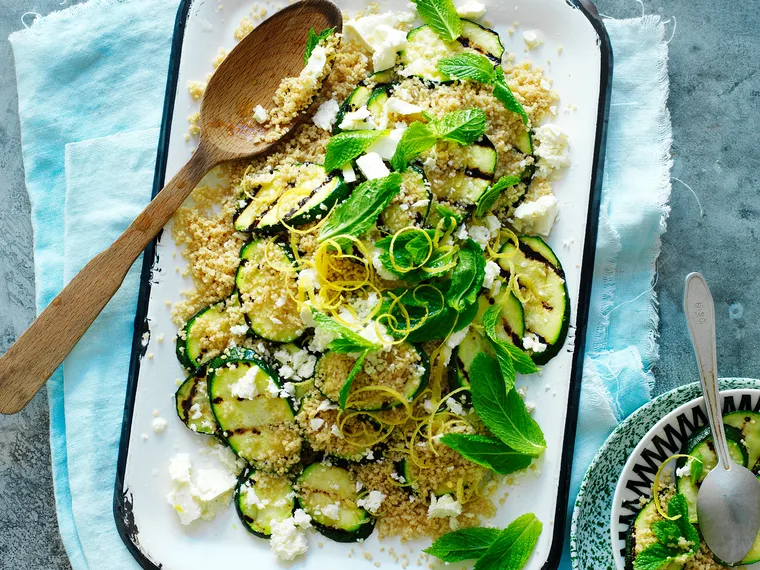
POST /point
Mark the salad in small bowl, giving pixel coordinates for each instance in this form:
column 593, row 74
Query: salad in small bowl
column 654, row 523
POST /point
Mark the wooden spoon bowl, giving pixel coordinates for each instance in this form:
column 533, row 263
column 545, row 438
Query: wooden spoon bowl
column 248, row 76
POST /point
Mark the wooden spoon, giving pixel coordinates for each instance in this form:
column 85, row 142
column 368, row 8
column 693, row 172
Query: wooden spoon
column 249, row 75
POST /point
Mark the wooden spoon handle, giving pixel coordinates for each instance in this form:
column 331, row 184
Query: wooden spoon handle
column 33, row 358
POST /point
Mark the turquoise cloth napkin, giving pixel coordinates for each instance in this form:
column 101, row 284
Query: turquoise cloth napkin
column 91, row 84
column 621, row 342
column 91, row 71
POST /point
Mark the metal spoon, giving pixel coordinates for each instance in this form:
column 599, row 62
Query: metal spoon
column 728, row 503
column 249, row 75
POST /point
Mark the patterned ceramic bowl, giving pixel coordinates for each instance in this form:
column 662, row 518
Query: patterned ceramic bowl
column 625, row 466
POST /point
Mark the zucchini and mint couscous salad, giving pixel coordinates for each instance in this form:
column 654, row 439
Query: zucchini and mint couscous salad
column 366, row 294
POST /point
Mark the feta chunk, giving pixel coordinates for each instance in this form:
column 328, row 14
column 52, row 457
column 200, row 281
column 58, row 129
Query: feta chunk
column 331, row 511
column 386, row 50
column 531, row 342
column 372, row 166
column 371, row 503
column 378, row 34
column 538, row 215
column 159, row 425
column 401, row 107
column 240, row 330
column 492, row 271
column 287, row 540
column 470, row 9
column 260, row 114
column 531, row 39
column 316, row 423
column 357, row 120
column 442, row 507
column 386, row 146
column 552, row 149
column 179, row 468
column 348, row 173
column 316, row 64
column 198, row 495
column 326, row 115
column 245, row 387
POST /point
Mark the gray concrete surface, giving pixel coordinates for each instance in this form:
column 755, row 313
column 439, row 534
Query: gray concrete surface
column 715, row 93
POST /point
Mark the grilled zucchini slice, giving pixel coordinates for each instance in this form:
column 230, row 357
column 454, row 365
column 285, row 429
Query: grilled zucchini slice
column 355, row 101
column 261, row 498
column 327, row 493
column 543, row 288
column 400, row 213
column 193, row 405
column 481, row 39
column 257, row 427
column 265, row 281
column 749, row 424
column 189, row 349
column 466, row 187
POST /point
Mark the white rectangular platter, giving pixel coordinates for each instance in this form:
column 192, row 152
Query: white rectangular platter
column 576, row 55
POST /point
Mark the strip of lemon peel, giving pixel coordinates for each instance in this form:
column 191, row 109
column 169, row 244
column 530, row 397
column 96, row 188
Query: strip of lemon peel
column 656, row 486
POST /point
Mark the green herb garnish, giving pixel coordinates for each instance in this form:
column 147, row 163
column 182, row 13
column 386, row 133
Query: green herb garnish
column 489, row 197
column 464, row 544
column 360, row 210
column 487, row 452
column 697, row 466
column 463, row 127
column 312, row 41
column 442, row 17
column 676, row 538
column 349, row 338
column 346, row 388
column 467, row 277
column 509, row 356
column 503, row 410
column 348, row 145
column 412, row 255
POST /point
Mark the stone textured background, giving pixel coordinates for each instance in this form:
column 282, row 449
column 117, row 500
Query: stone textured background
column 714, row 97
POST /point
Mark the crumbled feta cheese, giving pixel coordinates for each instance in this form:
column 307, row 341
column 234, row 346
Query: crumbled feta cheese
column 428, row 406
column 308, row 278
column 371, row 503
column 372, row 166
column 401, row 107
column 239, row 329
column 357, row 120
column 335, row 430
column 530, row 406
column 321, row 339
column 377, row 264
column 552, row 150
column 331, row 511
column 326, row 405
column 179, row 468
column 539, row 215
column 287, row 540
column 245, row 387
column 260, row 114
column 159, row 425
column 531, row 39
column 470, row 9
column 378, row 34
column 684, row 471
column 288, row 390
column 492, row 271
column 445, row 506
column 455, row 339
column 316, row 64
column 385, row 146
column 326, row 115
column 316, row 423
column 275, row 320
column 273, row 389
column 531, row 342
column 301, row 519
column 348, row 173
column 454, row 406
column 195, row 411
column 199, row 496
column 492, row 223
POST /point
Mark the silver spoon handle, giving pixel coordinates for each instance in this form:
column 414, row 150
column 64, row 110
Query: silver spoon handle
column 700, row 316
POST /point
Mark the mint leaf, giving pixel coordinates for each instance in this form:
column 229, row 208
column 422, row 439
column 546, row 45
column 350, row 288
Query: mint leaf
column 464, row 544
column 471, row 66
column 667, row 533
column 463, row 127
column 521, row 362
column 348, row 145
column 502, row 411
column 409, row 249
column 655, row 557
column 442, row 17
column 487, row 452
column 504, row 94
column 514, row 546
column 506, row 365
column 697, row 465
column 326, row 323
column 313, row 40
column 359, row 212
column 678, row 507
column 467, row 277
column 489, row 197
column 418, row 138
column 347, row 346
column 346, row 388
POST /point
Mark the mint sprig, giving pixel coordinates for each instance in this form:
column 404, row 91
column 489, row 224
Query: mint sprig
column 468, row 65
column 489, row 197
column 360, row 210
column 514, row 546
column 409, row 251
column 669, row 533
column 442, row 17
column 503, row 411
column 314, row 39
column 463, row 127
column 507, row 549
column 347, row 335
column 348, row 145
column 697, row 466
column 467, row 277
column 520, row 360
column 487, row 452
